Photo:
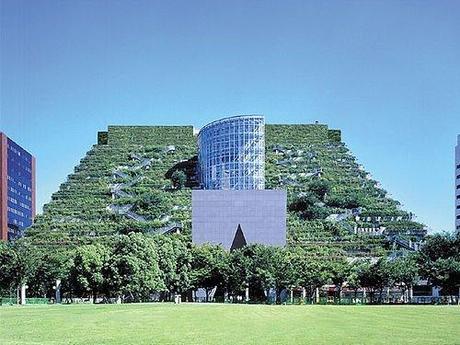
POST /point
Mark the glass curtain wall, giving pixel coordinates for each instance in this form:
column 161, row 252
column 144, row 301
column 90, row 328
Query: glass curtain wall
column 231, row 153
column 20, row 184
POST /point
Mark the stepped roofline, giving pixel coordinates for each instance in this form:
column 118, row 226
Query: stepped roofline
column 147, row 126
column 315, row 124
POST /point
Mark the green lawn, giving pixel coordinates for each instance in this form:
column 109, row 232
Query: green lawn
column 228, row 324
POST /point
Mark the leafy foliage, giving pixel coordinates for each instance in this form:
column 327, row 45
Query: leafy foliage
column 439, row 260
column 134, row 266
column 178, row 179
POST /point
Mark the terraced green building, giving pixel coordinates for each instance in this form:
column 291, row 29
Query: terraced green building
column 140, row 178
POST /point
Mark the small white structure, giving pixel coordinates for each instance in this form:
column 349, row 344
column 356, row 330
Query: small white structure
column 22, row 292
column 57, row 289
column 177, row 299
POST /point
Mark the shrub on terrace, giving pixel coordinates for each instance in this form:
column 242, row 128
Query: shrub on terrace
column 153, row 204
column 347, row 201
column 178, row 179
column 306, row 205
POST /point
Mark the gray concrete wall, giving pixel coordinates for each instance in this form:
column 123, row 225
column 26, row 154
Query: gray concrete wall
column 217, row 213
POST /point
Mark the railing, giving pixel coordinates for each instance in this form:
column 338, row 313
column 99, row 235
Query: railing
column 330, row 300
column 13, row 300
column 443, row 300
column 117, row 189
column 168, row 229
column 135, row 216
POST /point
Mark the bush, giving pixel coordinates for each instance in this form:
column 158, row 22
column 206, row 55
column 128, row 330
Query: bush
column 178, row 179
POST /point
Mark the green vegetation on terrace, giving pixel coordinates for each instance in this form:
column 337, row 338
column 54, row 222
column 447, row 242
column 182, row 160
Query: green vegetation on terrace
column 322, row 179
column 320, row 174
column 80, row 206
column 228, row 324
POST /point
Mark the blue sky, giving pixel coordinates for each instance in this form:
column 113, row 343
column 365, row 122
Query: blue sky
column 387, row 73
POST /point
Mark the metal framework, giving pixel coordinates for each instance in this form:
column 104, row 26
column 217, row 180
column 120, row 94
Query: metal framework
column 231, row 153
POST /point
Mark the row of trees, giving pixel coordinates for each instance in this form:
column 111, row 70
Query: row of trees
column 134, row 266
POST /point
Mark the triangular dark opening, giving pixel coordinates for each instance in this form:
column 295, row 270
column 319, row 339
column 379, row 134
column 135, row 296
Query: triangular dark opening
column 239, row 241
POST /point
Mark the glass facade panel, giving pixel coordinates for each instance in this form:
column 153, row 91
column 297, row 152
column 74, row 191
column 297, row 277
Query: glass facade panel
column 20, row 190
column 231, row 153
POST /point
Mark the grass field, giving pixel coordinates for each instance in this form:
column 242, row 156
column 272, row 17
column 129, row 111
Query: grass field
column 228, row 324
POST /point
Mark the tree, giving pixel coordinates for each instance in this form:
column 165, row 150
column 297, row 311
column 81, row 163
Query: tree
column 51, row 263
column 283, row 269
column 439, row 261
column 375, row 277
column 9, row 262
column 262, row 274
column 307, row 205
column 87, row 272
column 174, row 260
column 132, row 270
column 302, row 202
column 178, row 179
column 239, row 271
column 340, row 271
column 309, row 271
column 353, row 281
column 404, row 272
column 446, row 273
column 320, row 188
column 16, row 265
column 209, row 267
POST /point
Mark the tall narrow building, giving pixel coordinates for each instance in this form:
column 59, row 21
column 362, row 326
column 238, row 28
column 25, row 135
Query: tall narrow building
column 17, row 189
column 457, row 185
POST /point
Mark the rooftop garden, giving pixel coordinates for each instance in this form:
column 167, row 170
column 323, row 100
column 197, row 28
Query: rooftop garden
column 139, row 178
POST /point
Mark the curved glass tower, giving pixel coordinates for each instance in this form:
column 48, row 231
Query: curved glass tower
column 231, row 153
